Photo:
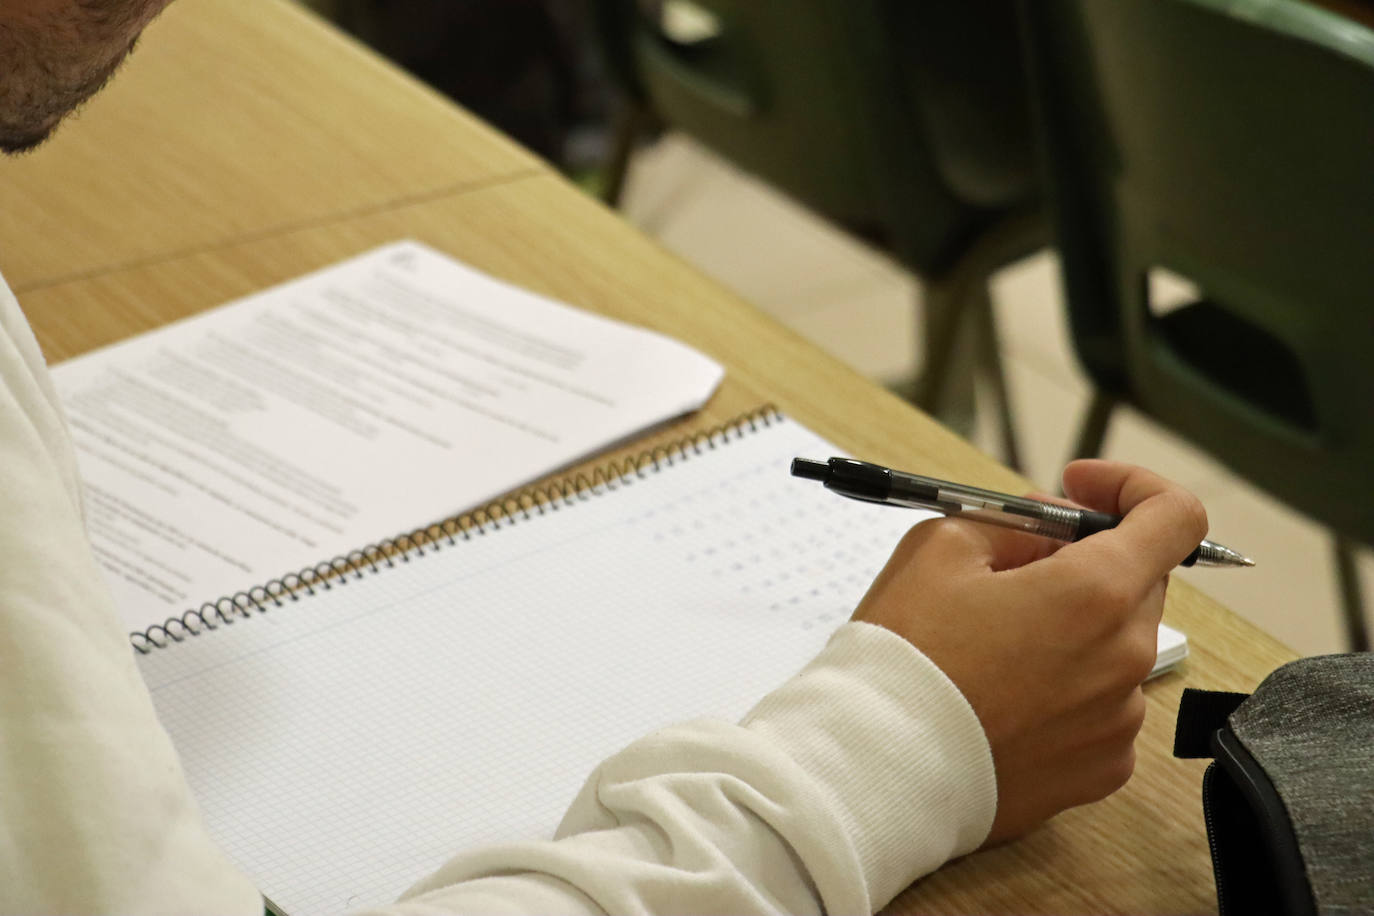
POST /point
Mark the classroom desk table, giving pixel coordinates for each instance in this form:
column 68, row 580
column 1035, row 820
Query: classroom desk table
column 243, row 118
column 1142, row 850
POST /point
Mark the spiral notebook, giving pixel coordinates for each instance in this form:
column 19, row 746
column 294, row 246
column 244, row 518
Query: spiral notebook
column 454, row 687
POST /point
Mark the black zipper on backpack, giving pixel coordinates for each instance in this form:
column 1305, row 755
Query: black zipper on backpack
column 1276, row 828
column 1209, row 777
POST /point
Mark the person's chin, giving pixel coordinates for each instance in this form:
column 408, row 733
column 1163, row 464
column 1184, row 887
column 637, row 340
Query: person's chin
column 14, row 146
column 15, row 142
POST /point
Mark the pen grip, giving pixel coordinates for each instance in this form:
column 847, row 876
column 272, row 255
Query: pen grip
column 1092, row 522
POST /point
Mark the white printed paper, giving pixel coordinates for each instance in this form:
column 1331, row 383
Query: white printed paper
column 353, row 404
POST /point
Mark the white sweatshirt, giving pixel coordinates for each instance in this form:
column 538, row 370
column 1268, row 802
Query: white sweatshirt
column 859, row 775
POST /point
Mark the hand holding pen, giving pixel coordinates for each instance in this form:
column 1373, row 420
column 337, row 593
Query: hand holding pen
column 1048, row 642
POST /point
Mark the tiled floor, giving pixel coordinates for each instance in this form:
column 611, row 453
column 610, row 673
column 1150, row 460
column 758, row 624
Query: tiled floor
column 857, row 304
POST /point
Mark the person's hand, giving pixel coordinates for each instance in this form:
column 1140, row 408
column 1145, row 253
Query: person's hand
column 1049, row 642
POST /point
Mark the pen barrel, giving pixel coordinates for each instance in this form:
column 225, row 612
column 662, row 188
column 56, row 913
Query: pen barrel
column 1045, row 519
column 874, row 483
column 1058, row 522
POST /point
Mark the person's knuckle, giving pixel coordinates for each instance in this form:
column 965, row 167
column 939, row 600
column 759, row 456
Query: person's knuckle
column 1139, row 659
column 1125, row 672
column 1133, row 713
column 953, row 531
column 944, row 535
column 1119, row 770
column 915, row 538
column 1121, row 728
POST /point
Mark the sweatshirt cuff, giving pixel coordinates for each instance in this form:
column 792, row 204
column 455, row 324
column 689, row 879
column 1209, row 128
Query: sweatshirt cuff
column 896, row 749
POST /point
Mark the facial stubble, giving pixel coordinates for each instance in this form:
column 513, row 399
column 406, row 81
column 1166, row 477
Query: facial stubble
column 37, row 91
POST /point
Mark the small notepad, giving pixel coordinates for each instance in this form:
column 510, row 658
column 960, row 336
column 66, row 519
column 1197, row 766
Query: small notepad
column 345, row 744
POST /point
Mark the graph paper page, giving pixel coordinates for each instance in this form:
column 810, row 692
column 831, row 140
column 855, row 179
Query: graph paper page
column 345, row 745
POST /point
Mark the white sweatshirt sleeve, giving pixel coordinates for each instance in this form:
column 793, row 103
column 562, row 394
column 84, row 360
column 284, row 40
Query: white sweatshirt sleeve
column 95, row 815
column 854, row 778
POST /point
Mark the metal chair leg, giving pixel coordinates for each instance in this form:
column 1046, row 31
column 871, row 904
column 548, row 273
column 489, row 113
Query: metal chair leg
column 631, row 121
column 954, row 333
column 1093, row 432
column 1352, row 597
column 945, row 387
column 990, row 358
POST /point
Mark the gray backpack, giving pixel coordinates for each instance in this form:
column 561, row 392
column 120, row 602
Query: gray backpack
column 1289, row 797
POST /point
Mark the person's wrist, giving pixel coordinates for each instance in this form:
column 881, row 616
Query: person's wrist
column 899, row 751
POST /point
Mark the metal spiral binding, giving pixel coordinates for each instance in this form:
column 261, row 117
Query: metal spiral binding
column 385, row 554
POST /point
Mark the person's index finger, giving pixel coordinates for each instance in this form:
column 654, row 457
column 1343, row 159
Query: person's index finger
column 1117, row 487
column 1111, row 486
column 1162, row 522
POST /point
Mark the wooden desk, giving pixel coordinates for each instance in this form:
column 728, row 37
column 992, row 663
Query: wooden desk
column 1143, row 850
column 234, row 119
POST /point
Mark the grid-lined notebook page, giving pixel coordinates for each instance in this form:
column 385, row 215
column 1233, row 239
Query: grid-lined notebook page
column 345, row 745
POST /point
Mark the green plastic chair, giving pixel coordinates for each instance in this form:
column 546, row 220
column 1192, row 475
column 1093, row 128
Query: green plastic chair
column 906, row 123
column 1231, row 143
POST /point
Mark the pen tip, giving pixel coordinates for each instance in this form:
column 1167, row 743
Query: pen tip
column 1246, row 561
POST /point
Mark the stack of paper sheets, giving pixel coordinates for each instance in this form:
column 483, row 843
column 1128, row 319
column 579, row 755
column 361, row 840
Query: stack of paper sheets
column 365, row 400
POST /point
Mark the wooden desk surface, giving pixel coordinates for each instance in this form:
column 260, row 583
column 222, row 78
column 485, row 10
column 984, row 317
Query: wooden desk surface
column 1143, row 850
column 234, row 118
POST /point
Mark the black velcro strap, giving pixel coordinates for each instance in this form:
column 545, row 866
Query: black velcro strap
column 1200, row 714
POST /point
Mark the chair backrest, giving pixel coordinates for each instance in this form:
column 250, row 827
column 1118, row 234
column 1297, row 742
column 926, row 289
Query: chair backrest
column 828, row 101
column 1231, row 143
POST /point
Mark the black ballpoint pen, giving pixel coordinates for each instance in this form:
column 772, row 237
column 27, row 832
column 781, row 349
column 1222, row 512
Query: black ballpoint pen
column 877, row 484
